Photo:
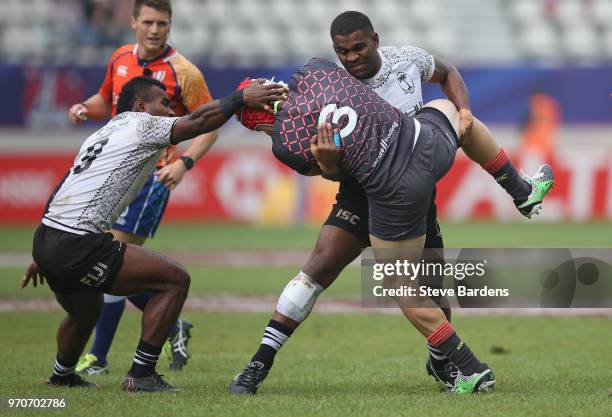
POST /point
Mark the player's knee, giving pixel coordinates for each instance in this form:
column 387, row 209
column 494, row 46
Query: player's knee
column 181, row 281
column 298, row 297
column 444, row 105
column 184, row 280
column 448, row 109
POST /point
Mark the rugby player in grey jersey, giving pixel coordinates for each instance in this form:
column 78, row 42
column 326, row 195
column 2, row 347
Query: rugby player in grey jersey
column 396, row 75
column 73, row 249
column 396, row 159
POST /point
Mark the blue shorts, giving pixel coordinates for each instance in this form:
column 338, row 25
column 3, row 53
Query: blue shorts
column 143, row 215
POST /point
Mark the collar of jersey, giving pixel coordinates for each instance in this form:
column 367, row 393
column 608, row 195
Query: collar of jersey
column 144, row 62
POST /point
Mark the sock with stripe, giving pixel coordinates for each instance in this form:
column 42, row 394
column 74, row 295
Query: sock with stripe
column 145, row 359
column 437, row 358
column 275, row 336
column 63, row 369
column 445, row 340
column 507, row 176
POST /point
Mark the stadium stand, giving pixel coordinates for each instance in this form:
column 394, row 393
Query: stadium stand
column 273, row 32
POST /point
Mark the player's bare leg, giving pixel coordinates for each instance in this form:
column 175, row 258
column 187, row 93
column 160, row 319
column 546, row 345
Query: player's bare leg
column 83, row 310
column 175, row 347
column 145, row 270
column 480, row 146
column 335, row 250
column 95, row 361
column 430, row 321
column 126, row 237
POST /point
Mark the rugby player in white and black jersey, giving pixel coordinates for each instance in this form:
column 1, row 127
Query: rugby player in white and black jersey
column 73, row 249
column 396, row 75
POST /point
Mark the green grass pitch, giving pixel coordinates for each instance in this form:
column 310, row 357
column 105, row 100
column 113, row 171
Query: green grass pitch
column 335, row 364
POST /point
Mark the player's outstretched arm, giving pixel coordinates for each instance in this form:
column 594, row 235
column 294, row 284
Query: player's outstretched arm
column 454, row 87
column 213, row 115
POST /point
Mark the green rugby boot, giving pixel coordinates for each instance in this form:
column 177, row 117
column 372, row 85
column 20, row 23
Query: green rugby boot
column 541, row 184
column 482, row 381
column 90, row 365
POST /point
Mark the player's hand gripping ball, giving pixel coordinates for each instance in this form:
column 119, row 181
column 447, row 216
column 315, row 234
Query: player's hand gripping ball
column 250, row 117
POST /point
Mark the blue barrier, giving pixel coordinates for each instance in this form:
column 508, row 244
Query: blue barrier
column 40, row 95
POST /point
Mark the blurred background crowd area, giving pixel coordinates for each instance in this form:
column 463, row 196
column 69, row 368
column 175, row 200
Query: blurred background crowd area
column 539, row 74
column 277, row 32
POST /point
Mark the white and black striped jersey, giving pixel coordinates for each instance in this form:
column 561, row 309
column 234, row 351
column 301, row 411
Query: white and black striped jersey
column 399, row 79
column 110, row 169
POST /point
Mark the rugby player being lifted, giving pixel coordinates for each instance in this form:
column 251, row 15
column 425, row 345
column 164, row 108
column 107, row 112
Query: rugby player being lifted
column 394, row 74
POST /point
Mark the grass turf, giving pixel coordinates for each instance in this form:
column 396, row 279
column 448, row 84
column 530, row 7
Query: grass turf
column 206, row 281
column 335, row 365
column 474, row 234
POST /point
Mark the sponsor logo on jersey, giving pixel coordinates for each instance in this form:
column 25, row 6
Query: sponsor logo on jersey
column 384, row 144
column 406, row 82
column 159, row 75
column 348, row 216
column 122, row 70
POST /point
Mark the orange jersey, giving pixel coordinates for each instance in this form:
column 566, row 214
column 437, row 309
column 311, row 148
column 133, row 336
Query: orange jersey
column 184, row 82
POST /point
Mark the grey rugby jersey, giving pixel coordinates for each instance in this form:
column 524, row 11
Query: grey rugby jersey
column 399, row 79
column 111, row 167
column 370, row 127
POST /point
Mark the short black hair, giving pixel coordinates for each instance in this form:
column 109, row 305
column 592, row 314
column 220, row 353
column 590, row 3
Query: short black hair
column 139, row 87
column 349, row 22
column 159, row 5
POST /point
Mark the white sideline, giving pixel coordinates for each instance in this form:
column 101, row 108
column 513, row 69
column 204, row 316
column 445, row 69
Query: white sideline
column 265, row 304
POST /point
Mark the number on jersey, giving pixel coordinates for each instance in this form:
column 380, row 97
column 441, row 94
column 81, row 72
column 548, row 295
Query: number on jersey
column 92, row 153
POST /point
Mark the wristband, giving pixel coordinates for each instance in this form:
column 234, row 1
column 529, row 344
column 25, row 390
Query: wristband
column 232, row 102
column 187, row 161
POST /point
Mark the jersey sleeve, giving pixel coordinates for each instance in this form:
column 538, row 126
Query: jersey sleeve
column 106, row 89
column 294, row 162
column 156, row 130
column 194, row 90
column 422, row 59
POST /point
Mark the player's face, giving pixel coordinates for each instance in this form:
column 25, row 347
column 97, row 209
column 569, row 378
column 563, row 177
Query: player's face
column 358, row 53
column 159, row 105
column 151, row 27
